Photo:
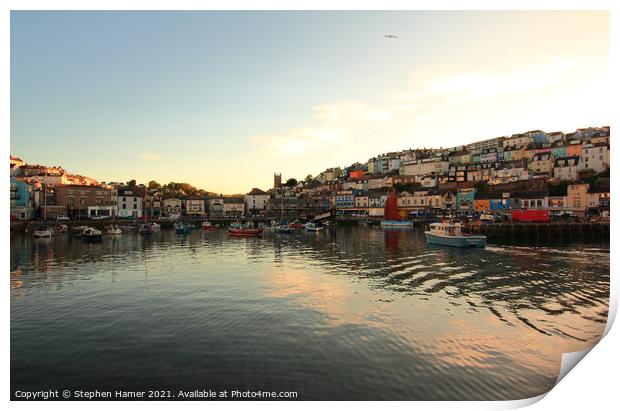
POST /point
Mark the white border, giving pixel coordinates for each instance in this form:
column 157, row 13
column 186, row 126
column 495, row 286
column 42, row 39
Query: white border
column 590, row 386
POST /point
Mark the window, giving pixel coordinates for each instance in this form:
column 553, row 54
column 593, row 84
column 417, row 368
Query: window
column 124, row 206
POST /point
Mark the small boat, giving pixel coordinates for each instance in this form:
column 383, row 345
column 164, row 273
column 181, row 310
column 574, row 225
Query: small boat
column 61, row 228
column 91, row 234
column 396, row 223
column 146, row 228
column 182, row 228
column 114, row 230
column 451, row 234
column 296, row 224
column 391, row 214
column 284, row 229
column 78, row 230
column 206, row 225
column 42, row 232
column 312, row 227
column 238, row 230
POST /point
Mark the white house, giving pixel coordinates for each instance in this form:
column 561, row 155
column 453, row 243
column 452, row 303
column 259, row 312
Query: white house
column 128, row 203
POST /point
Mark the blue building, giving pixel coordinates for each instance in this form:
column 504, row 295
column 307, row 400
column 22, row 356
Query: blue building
column 500, row 204
column 465, row 199
column 21, row 200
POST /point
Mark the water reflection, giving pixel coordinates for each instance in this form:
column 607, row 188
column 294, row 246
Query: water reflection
column 376, row 313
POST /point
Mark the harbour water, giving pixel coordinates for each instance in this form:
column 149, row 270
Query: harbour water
column 357, row 313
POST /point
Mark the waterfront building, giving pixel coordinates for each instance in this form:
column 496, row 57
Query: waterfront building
column 465, row 199
column 577, row 197
column 567, row 168
column 361, row 200
column 345, row 199
column 501, row 203
column 376, row 200
column 172, row 206
column 21, row 199
column 482, row 202
column 194, row 206
column 256, row 201
column 436, row 199
column 557, row 204
column 234, row 207
column 85, row 201
column 530, row 200
column 598, row 199
column 128, row 202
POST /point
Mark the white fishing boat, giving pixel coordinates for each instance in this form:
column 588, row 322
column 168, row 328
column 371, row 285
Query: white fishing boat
column 42, row 232
column 114, row 230
column 284, row 229
column 312, row 227
column 451, row 234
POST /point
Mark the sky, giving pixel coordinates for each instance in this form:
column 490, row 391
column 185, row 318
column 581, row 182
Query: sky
column 222, row 100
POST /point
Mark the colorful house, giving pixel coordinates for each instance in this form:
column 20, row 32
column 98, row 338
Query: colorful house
column 21, row 200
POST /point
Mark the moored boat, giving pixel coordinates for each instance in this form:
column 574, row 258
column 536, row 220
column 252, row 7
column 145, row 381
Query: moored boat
column 147, row 229
column 238, row 230
column 391, row 215
column 61, row 229
column 312, row 227
column 114, row 230
column 42, row 232
column 284, row 229
column 451, row 234
column 91, row 234
column 206, row 225
column 182, row 228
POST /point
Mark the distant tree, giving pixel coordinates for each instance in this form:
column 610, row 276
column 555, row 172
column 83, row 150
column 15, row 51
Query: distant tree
column 154, row 185
column 481, row 187
column 309, row 178
column 559, row 189
column 131, row 183
column 291, row 182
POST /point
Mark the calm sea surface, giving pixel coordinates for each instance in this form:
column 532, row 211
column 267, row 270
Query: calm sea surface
column 358, row 313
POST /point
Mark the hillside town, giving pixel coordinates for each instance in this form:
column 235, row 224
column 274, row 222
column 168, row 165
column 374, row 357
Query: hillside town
column 565, row 174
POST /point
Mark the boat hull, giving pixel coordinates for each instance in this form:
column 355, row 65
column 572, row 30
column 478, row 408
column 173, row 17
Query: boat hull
column 396, row 223
column 43, row 234
column 474, row 241
column 245, row 232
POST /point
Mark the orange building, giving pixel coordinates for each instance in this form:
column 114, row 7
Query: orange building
column 356, row 174
column 574, row 150
column 482, row 204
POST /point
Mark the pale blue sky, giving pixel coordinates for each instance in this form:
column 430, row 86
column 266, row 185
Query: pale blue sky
column 224, row 99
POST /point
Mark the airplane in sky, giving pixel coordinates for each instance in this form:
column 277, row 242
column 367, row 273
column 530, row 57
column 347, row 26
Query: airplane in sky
column 390, row 36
